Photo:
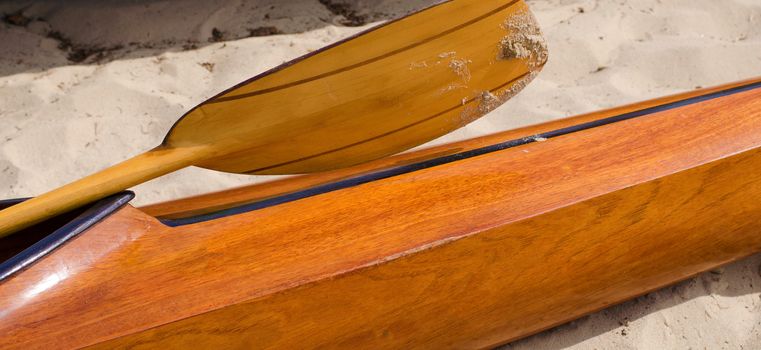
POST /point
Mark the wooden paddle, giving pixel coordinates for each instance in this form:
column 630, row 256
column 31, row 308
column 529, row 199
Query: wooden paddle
column 382, row 92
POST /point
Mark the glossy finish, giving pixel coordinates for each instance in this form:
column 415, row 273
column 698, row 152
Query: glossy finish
column 215, row 202
column 383, row 92
column 468, row 254
column 24, row 250
column 379, row 93
column 446, row 159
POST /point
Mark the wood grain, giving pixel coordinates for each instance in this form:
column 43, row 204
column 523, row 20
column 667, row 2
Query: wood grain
column 468, row 254
column 126, row 174
column 206, row 203
column 504, row 283
column 387, row 90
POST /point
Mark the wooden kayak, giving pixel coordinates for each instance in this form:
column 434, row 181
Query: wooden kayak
column 468, row 245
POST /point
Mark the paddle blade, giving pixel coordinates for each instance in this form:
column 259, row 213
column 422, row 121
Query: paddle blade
column 379, row 93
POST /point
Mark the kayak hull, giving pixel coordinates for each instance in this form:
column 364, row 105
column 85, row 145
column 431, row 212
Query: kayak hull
column 471, row 249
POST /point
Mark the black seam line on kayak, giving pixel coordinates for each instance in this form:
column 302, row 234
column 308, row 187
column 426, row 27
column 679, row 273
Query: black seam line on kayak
column 99, row 211
column 360, row 64
column 406, row 169
column 461, row 105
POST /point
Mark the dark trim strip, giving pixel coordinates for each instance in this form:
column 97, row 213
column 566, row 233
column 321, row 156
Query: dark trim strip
column 368, row 61
column 406, row 169
column 99, row 211
column 461, row 105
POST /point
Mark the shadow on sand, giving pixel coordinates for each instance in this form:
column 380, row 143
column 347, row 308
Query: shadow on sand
column 95, row 32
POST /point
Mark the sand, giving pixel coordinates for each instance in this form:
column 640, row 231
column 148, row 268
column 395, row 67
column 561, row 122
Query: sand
column 83, row 86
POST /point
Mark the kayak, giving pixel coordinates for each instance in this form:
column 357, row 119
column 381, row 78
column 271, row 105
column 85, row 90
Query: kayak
column 467, row 245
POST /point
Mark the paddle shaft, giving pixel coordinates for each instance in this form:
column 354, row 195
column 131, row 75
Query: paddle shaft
column 117, row 178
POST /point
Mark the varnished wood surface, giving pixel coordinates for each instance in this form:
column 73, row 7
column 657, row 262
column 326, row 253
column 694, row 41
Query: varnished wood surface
column 464, row 255
column 94, row 187
column 506, row 283
column 206, row 203
column 386, row 91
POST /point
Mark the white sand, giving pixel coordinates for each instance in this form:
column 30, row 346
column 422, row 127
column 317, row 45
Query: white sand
column 63, row 120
